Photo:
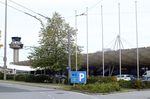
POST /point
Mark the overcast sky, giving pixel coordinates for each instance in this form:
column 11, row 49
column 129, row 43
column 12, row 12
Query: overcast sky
column 20, row 24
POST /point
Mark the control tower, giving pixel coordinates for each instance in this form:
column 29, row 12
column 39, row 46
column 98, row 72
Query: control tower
column 16, row 45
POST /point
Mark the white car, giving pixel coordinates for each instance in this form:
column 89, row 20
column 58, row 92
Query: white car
column 123, row 77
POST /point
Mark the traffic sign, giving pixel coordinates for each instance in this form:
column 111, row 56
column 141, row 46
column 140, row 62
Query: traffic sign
column 78, row 77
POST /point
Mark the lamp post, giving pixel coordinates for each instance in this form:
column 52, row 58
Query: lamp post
column 5, row 37
column 5, row 43
column 76, row 15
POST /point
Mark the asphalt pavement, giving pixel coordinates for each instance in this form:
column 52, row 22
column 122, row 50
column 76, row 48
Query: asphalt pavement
column 143, row 94
column 17, row 91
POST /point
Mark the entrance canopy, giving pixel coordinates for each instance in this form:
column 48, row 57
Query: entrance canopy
column 128, row 58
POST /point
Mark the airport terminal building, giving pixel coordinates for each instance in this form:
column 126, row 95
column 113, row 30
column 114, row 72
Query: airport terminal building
column 111, row 61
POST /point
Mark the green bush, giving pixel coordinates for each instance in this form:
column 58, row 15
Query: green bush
column 147, row 84
column 92, row 80
column 105, row 80
column 49, row 79
column 20, row 77
column 10, row 77
column 1, row 76
column 37, row 78
column 40, row 78
column 87, row 87
column 125, row 84
column 138, row 84
column 100, row 80
column 33, row 78
column 106, row 87
column 98, row 88
column 29, row 78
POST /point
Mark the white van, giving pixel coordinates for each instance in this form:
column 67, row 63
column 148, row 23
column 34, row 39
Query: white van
column 146, row 74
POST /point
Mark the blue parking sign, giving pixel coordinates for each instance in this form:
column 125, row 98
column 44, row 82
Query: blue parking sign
column 78, row 77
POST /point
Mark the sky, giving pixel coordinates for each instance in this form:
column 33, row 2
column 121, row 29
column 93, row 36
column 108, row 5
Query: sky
column 27, row 27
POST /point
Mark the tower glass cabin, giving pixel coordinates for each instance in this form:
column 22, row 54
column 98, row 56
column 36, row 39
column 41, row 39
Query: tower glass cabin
column 16, row 45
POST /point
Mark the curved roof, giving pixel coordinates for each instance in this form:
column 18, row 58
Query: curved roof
column 128, row 57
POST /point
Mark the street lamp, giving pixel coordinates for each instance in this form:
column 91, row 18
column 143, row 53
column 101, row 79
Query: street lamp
column 76, row 15
column 76, row 39
column 5, row 37
column 87, row 38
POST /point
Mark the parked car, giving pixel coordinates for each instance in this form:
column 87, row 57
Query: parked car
column 126, row 77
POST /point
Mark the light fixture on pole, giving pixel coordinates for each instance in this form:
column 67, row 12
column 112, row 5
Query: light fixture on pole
column 76, row 39
column 5, row 43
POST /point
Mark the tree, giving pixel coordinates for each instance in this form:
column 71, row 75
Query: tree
column 53, row 50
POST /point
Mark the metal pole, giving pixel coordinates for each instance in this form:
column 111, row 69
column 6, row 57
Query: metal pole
column 137, row 40
column 69, row 58
column 87, row 41
column 103, row 62
column 5, row 42
column 119, row 39
column 76, row 40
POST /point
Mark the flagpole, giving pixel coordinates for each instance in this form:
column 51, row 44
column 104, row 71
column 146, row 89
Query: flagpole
column 119, row 39
column 87, row 41
column 137, row 54
column 103, row 61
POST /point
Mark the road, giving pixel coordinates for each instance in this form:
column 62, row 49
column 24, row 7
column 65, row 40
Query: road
column 127, row 95
column 17, row 91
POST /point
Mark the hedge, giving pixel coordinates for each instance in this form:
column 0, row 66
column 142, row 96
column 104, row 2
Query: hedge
column 98, row 88
column 20, row 77
column 10, row 77
column 136, row 84
column 36, row 78
column 100, row 80
column 1, row 76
